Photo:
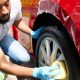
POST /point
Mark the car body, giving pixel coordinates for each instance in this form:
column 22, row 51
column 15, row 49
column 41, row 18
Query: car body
column 67, row 12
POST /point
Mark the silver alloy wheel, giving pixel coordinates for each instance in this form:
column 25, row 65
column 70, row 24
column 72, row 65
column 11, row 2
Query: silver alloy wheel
column 49, row 52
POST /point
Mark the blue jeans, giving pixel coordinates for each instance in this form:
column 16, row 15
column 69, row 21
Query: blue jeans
column 14, row 50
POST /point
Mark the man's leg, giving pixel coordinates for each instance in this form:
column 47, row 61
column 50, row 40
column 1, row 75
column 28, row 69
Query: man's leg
column 14, row 49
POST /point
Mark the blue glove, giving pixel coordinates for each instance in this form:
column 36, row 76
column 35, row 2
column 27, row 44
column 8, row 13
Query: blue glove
column 35, row 34
column 44, row 73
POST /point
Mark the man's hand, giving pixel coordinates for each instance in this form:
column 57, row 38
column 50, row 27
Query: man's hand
column 45, row 73
column 35, row 34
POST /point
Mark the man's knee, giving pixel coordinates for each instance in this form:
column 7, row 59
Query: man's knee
column 24, row 58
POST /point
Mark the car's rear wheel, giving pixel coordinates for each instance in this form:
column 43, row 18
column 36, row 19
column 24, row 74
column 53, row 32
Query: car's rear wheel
column 53, row 45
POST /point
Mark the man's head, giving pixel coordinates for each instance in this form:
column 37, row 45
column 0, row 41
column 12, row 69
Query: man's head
column 4, row 11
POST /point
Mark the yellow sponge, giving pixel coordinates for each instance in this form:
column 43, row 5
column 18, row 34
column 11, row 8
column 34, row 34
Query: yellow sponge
column 62, row 69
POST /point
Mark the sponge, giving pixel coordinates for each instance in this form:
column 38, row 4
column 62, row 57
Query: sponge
column 62, row 69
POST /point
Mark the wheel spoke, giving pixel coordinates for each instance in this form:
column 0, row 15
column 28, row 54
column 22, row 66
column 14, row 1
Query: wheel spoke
column 47, row 43
column 43, row 52
column 41, row 63
column 61, row 58
column 48, row 51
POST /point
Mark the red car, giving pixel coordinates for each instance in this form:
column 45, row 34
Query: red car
column 60, row 37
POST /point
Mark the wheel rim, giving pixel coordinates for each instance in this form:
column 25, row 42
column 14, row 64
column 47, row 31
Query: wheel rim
column 49, row 52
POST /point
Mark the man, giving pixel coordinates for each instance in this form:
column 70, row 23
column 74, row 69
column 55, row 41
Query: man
column 10, row 13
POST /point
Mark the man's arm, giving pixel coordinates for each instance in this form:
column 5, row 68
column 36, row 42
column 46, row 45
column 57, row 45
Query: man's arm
column 13, row 68
column 20, row 24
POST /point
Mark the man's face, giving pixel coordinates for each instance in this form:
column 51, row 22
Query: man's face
column 4, row 11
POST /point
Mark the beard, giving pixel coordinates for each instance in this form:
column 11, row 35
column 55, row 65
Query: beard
column 4, row 20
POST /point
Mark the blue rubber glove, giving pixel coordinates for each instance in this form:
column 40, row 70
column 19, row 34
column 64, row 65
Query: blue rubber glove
column 44, row 73
column 35, row 34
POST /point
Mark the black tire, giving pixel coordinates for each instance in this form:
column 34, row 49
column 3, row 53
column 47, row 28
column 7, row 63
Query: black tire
column 66, row 47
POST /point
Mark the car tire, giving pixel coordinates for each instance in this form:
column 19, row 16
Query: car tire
column 68, row 53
